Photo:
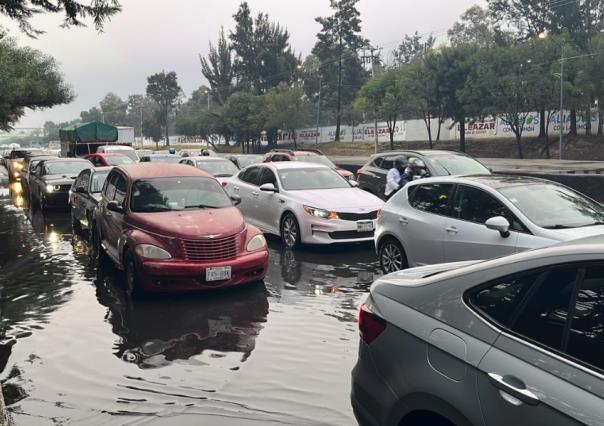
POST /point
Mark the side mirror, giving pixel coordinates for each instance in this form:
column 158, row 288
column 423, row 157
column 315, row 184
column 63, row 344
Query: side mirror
column 80, row 190
column 113, row 206
column 353, row 183
column 499, row 223
column 236, row 199
column 268, row 187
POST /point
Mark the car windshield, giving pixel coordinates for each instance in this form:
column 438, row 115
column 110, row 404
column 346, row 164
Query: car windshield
column 315, row 178
column 553, row 206
column 168, row 158
column 454, row 165
column 317, row 159
column 177, row 193
column 67, row 167
column 116, row 160
column 218, row 168
column 97, row 182
column 248, row 160
column 130, row 153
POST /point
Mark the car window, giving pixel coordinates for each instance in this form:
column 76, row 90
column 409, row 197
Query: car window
column 97, row 182
column 544, row 316
column 586, row 337
column 454, row 164
column 251, row 175
column 83, row 180
column 312, row 178
column 376, row 162
column 109, row 188
column 431, row 198
column 387, row 163
column 120, row 189
column 267, row 176
column 475, row 205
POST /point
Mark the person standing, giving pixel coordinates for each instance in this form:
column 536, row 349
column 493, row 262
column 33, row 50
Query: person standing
column 396, row 177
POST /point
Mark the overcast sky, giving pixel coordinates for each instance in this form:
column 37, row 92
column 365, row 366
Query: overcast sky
column 154, row 35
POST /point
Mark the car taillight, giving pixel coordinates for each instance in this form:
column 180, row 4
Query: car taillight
column 378, row 213
column 370, row 325
column 224, row 184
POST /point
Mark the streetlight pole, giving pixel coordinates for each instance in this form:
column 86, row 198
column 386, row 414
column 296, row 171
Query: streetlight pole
column 318, row 109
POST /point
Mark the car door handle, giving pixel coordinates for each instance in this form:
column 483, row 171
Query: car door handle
column 255, row 194
column 514, row 387
column 451, row 230
column 403, row 220
column 236, row 188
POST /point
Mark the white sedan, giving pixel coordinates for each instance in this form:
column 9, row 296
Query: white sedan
column 450, row 219
column 305, row 203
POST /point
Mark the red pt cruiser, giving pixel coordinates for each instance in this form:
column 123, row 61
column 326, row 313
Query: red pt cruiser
column 173, row 228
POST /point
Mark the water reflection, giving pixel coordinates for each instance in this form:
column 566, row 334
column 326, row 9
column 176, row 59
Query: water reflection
column 155, row 331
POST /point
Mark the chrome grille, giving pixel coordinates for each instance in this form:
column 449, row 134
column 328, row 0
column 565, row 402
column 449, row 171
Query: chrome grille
column 210, row 248
column 358, row 216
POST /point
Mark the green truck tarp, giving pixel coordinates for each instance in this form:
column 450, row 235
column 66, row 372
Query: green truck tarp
column 88, row 132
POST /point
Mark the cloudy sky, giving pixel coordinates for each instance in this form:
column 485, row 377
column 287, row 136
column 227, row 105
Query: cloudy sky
column 154, row 35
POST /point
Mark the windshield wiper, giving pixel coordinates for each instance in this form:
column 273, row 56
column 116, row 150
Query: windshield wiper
column 222, row 175
column 558, row 226
column 598, row 222
column 200, row 206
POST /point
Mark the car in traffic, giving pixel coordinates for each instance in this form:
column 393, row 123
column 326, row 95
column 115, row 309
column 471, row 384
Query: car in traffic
column 305, row 203
column 372, row 175
column 450, row 219
column 174, row 228
column 84, row 196
column 51, row 181
column 15, row 160
column 29, row 164
column 305, row 156
column 126, row 150
column 516, row 340
column 161, row 158
column 218, row 167
column 108, row 159
column 143, row 152
column 244, row 160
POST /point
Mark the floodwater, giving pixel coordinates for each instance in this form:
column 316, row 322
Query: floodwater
column 76, row 350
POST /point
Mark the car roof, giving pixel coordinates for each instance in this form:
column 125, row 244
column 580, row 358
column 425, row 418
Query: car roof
column 101, row 169
column 205, row 157
column 107, row 154
column 422, row 152
column 148, row 171
column 65, row 160
column 492, row 181
column 282, row 165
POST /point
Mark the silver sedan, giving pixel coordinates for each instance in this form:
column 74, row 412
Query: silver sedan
column 517, row 340
column 304, row 203
column 450, row 219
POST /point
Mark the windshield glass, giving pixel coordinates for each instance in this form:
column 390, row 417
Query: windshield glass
column 218, row 168
column 248, row 160
column 320, row 178
column 317, row 159
column 116, row 160
column 67, row 167
column 453, row 165
column 177, row 193
column 168, row 158
column 554, row 207
column 98, row 180
column 130, row 153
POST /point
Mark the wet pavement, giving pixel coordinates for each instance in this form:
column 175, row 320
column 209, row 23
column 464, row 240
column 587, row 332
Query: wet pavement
column 75, row 349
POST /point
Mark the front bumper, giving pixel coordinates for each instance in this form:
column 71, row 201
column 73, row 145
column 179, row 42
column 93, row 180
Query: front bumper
column 184, row 275
column 56, row 199
column 331, row 231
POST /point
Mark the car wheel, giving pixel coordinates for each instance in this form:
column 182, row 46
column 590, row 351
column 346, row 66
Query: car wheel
column 290, row 231
column 132, row 285
column 392, row 256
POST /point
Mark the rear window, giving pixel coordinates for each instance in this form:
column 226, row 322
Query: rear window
column 431, row 198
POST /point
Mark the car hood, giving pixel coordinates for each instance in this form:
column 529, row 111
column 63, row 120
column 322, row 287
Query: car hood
column 191, row 224
column 573, row 233
column 59, row 179
column 339, row 199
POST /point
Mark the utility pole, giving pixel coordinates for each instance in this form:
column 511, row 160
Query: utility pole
column 375, row 126
column 318, row 108
column 142, row 137
column 561, row 98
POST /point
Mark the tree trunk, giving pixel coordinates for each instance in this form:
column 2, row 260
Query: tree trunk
column 547, row 152
column 440, row 122
column 294, row 136
column 542, row 130
column 427, row 122
column 519, row 143
column 462, row 134
column 600, row 123
column 167, row 133
column 588, row 121
column 339, row 96
column 573, row 122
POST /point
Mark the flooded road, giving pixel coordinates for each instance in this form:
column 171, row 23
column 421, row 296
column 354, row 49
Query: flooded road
column 76, row 349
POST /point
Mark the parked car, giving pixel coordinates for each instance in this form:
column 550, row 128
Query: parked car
column 305, row 203
column 306, row 156
column 143, row 152
column 173, row 228
column 161, row 158
column 126, row 150
column 218, row 167
column 516, row 340
column 480, row 217
column 14, row 162
column 51, row 180
column 244, row 160
column 372, row 176
column 108, row 159
column 84, row 196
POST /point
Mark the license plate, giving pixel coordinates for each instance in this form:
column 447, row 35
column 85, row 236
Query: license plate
column 218, row 273
column 365, row 226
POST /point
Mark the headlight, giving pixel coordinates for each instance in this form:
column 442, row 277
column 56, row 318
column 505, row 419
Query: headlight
column 152, row 252
column 52, row 188
column 18, row 166
column 325, row 214
column 256, row 243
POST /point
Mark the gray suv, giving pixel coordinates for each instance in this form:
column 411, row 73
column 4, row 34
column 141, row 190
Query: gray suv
column 517, row 340
column 372, row 176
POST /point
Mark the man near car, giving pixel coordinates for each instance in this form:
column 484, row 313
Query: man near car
column 396, row 178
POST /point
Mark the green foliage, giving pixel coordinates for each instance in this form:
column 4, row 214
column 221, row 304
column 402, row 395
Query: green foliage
column 28, row 79
column 245, row 116
column 412, row 47
column 163, row 88
column 218, row 69
column 287, row 108
column 477, row 26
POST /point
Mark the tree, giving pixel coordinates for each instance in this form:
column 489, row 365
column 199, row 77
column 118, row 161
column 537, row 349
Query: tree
column 264, row 57
column 337, row 45
column 245, row 118
column 218, row 69
column 412, row 47
column 287, row 108
column 114, row 109
column 73, row 12
column 28, row 79
column 163, row 88
column 93, row 114
column 477, row 26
